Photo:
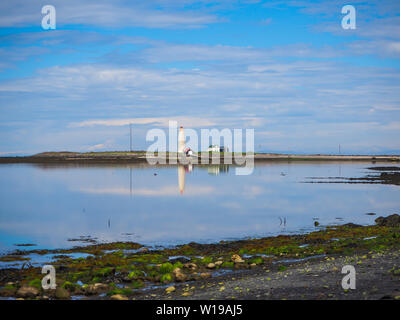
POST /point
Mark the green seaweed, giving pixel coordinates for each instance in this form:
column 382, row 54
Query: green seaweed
column 166, row 278
column 136, row 274
column 166, row 268
column 122, row 291
column 37, row 283
column 257, row 260
column 227, row 264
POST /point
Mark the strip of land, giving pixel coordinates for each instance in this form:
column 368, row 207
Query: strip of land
column 140, row 157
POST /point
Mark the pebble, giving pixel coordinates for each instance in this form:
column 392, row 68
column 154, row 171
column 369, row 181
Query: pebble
column 170, row 289
column 236, row 258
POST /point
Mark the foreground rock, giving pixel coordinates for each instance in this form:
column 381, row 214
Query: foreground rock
column 179, row 276
column 62, row 293
column 96, row 288
column 390, row 221
column 170, row 289
column 28, row 292
column 205, row 275
column 237, row 259
column 190, row 265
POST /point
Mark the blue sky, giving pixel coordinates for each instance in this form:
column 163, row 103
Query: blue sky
column 287, row 69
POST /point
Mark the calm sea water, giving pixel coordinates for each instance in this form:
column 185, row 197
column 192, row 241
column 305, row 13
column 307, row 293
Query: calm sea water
column 47, row 205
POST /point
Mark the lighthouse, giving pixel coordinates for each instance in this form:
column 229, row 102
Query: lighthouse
column 181, row 140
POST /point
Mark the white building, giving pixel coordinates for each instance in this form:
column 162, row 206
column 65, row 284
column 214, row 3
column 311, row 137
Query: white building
column 217, row 148
column 213, row 148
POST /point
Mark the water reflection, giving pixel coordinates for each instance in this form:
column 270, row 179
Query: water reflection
column 214, row 170
column 48, row 204
column 217, row 169
column 181, row 179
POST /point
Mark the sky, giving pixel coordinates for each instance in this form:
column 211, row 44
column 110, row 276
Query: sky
column 286, row 69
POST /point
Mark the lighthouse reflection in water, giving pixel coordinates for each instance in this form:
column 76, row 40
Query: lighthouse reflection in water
column 211, row 169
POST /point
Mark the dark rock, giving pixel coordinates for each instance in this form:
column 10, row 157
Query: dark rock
column 97, row 288
column 62, row 293
column 352, row 225
column 390, row 221
column 385, row 168
column 7, row 292
column 387, row 297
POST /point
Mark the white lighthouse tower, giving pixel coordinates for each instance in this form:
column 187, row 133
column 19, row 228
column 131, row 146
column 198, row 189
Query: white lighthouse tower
column 181, row 140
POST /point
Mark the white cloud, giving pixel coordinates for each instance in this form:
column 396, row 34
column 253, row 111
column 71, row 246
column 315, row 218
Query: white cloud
column 150, row 14
column 184, row 121
column 395, row 125
column 109, row 143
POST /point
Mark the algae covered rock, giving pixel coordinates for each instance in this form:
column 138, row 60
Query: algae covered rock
column 390, row 221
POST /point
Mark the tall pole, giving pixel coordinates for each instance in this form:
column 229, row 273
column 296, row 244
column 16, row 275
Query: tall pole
column 130, row 180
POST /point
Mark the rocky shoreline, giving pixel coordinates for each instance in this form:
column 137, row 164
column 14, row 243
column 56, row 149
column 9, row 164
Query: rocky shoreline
column 283, row 267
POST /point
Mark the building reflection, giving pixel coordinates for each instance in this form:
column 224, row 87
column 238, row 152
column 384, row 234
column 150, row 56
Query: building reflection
column 215, row 170
column 211, row 169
